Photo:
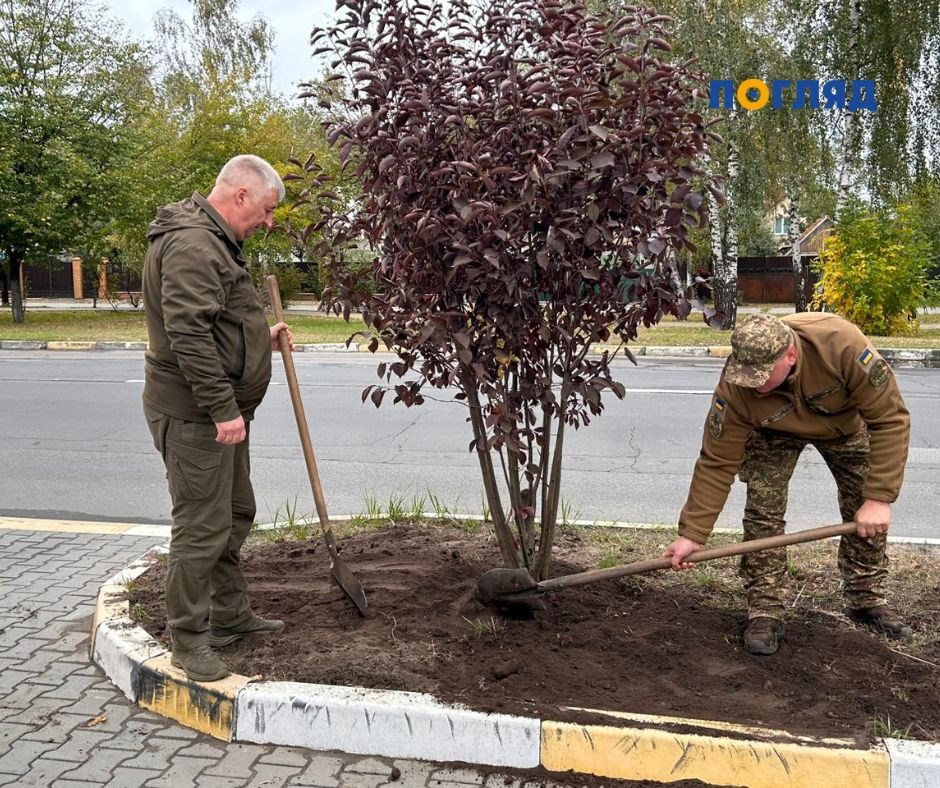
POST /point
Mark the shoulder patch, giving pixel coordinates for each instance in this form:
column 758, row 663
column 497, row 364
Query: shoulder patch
column 714, row 424
column 878, row 375
column 866, row 357
column 719, row 404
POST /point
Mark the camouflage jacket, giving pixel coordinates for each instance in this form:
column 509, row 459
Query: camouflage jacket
column 840, row 385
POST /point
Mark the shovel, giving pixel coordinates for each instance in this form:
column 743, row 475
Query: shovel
column 516, row 588
column 346, row 579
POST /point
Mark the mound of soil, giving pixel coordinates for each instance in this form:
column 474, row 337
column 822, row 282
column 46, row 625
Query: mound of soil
column 632, row 645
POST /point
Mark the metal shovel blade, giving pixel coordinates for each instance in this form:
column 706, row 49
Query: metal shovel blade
column 510, row 588
column 348, row 582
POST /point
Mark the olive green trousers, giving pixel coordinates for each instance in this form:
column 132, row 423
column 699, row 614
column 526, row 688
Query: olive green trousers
column 213, row 510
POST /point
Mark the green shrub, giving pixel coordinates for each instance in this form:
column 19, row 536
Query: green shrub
column 932, row 293
column 873, row 271
column 290, row 280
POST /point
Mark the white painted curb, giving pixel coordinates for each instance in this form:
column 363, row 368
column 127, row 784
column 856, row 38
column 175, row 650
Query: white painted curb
column 664, row 350
column 382, row 722
column 121, row 648
column 914, row 764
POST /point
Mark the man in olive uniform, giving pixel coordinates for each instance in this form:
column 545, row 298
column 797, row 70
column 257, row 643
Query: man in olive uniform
column 207, row 369
column 808, row 378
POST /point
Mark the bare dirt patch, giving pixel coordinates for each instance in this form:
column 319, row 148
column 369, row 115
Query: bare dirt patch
column 659, row 644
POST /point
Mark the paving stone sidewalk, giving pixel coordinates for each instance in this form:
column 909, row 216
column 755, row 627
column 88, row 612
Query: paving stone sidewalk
column 63, row 725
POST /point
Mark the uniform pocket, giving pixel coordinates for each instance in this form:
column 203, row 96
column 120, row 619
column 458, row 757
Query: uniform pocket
column 193, row 472
column 242, row 351
column 157, row 424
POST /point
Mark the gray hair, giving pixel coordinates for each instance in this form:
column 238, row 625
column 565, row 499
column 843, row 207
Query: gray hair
column 249, row 166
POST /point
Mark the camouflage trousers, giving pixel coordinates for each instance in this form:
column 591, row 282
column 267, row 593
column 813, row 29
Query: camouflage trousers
column 769, row 460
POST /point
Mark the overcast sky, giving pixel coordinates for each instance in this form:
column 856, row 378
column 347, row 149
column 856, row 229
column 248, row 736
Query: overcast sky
column 291, row 22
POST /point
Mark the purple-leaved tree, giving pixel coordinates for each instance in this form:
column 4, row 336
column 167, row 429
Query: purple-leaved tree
column 528, row 171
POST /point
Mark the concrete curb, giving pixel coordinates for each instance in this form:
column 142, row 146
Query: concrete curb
column 897, row 357
column 395, row 724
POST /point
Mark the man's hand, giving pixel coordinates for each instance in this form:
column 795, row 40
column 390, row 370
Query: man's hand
column 873, row 518
column 231, row 432
column 276, row 329
column 678, row 550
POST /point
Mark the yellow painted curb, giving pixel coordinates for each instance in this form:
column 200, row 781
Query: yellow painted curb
column 720, row 351
column 206, row 706
column 638, row 754
column 659, row 720
column 63, row 526
column 71, row 345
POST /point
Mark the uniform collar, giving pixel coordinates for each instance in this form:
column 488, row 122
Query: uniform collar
column 216, row 217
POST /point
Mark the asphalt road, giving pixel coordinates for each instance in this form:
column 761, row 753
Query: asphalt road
column 74, row 445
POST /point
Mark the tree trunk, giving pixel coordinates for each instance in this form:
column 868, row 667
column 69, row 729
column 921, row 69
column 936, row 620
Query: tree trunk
column 16, row 262
column 726, row 270
column 508, row 548
column 799, row 273
column 731, row 245
column 4, row 287
column 550, row 512
column 714, row 224
column 846, row 157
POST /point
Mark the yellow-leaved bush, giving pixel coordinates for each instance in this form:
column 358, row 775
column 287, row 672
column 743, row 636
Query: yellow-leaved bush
column 873, row 271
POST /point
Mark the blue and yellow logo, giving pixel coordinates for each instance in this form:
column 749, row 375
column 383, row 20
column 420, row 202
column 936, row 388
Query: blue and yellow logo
column 754, row 94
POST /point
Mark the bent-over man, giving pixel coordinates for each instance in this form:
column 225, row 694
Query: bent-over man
column 808, row 378
column 207, row 369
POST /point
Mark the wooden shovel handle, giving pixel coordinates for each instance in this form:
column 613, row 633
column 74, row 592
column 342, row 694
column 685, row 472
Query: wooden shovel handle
column 736, row 548
column 299, row 415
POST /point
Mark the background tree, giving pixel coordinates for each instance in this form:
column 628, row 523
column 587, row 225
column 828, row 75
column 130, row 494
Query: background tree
column 527, row 173
column 210, row 100
column 70, row 85
column 874, row 269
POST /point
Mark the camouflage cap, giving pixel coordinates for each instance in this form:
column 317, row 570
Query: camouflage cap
column 756, row 344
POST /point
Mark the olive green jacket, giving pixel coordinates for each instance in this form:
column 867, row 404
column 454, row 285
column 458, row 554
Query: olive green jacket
column 210, row 346
column 839, row 386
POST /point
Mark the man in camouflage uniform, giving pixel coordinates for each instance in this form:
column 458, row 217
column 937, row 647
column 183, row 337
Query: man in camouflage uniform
column 808, row 378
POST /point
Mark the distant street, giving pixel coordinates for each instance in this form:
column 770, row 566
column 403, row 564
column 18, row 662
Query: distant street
column 74, row 445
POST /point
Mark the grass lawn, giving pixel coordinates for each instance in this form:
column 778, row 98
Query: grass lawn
column 125, row 326
column 106, row 324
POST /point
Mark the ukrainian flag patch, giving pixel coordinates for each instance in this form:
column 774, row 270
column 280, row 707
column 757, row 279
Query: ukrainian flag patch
column 719, row 404
column 866, row 357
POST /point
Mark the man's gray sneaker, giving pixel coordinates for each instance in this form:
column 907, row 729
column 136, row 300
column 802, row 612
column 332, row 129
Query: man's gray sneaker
column 200, row 663
column 220, row 636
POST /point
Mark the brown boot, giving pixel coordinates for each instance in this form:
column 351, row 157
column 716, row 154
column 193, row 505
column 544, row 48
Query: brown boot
column 200, row 663
column 880, row 619
column 220, row 636
column 763, row 636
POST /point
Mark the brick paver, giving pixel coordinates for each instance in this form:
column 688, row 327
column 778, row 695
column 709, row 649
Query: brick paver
column 52, row 699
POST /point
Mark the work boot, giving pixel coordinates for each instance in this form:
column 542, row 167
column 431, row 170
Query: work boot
column 224, row 636
column 880, row 619
column 763, row 636
column 200, row 663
